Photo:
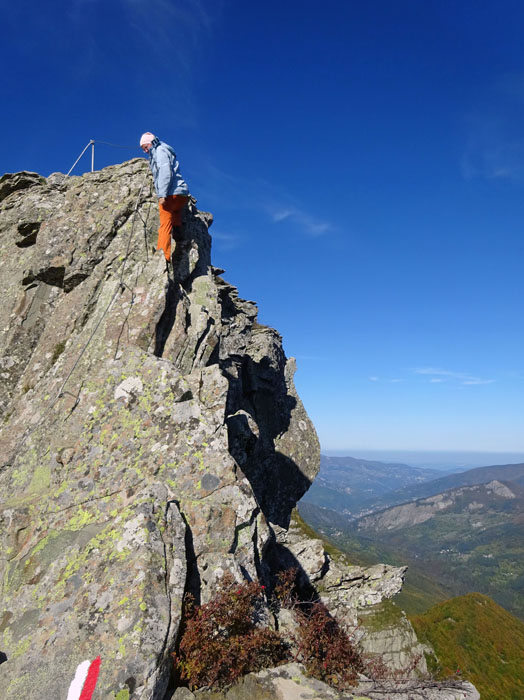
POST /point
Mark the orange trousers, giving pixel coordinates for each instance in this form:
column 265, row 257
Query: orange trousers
column 170, row 215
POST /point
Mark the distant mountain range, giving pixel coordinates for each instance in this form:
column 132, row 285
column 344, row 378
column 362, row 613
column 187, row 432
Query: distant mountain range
column 458, row 533
column 469, row 538
column 420, row 590
column 481, row 475
column 357, row 487
column 473, row 637
column 352, row 486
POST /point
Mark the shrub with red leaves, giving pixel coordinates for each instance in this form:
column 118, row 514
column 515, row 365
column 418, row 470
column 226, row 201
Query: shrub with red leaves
column 325, row 649
column 221, row 640
column 285, row 591
column 323, row 646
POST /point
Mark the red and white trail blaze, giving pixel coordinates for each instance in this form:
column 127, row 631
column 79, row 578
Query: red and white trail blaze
column 83, row 684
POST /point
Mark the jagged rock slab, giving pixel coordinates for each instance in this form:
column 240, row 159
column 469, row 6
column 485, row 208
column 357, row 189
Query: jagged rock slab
column 290, row 682
column 388, row 635
column 344, row 588
column 287, row 682
column 146, row 424
column 419, row 690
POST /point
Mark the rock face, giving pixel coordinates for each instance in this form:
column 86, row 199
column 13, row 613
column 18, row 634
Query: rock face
column 388, row 635
column 151, row 440
column 289, row 682
column 346, row 590
column 151, row 432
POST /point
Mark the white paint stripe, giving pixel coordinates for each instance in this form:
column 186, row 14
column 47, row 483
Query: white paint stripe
column 78, row 681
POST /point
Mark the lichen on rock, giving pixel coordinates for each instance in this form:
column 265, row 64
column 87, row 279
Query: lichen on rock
column 126, row 476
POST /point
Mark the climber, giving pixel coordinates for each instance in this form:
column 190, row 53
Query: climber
column 171, row 190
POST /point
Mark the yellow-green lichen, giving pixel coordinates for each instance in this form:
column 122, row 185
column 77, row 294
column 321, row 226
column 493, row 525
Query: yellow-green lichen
column 18, row 686
column 81, row 518
column 21, row 648
column 121, row 646
column 41, row 480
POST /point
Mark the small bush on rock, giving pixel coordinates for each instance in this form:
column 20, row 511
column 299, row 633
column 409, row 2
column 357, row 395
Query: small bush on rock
column 325, row 649
column 285, row 592
column 322, row 645
column 222, row 641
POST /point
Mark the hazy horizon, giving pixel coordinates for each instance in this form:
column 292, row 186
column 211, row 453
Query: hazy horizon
column 436, row 459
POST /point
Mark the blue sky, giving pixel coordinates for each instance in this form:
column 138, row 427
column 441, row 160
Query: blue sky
column 364, row 161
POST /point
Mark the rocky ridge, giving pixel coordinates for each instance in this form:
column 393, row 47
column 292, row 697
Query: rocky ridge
column 151, row 439
column 417, row 512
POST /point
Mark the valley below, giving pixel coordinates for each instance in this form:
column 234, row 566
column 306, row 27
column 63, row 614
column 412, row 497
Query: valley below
column 458, row 533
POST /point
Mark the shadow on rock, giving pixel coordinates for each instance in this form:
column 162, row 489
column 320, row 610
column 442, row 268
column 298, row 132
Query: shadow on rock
column 167, row 320
column 280, row 559
column 259, row 415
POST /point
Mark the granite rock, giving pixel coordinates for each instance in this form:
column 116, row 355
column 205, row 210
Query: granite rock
column 146, row 420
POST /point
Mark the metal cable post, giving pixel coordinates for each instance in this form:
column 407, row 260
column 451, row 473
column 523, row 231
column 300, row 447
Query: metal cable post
column 91, row 142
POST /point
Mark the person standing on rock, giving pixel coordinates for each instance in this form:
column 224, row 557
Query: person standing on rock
column 172, row 191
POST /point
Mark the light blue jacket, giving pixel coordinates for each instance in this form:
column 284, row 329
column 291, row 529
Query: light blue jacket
column 164, row 166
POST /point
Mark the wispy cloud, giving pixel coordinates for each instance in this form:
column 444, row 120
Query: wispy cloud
column 494, row 148
column 477, row 380
column 373, row 379
column 310, row 224
column 437, row 375
column 168, row 39
column 184, row 27
column 493, row 158
column 255, row 193
column 282, row 215
column 227, row 241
